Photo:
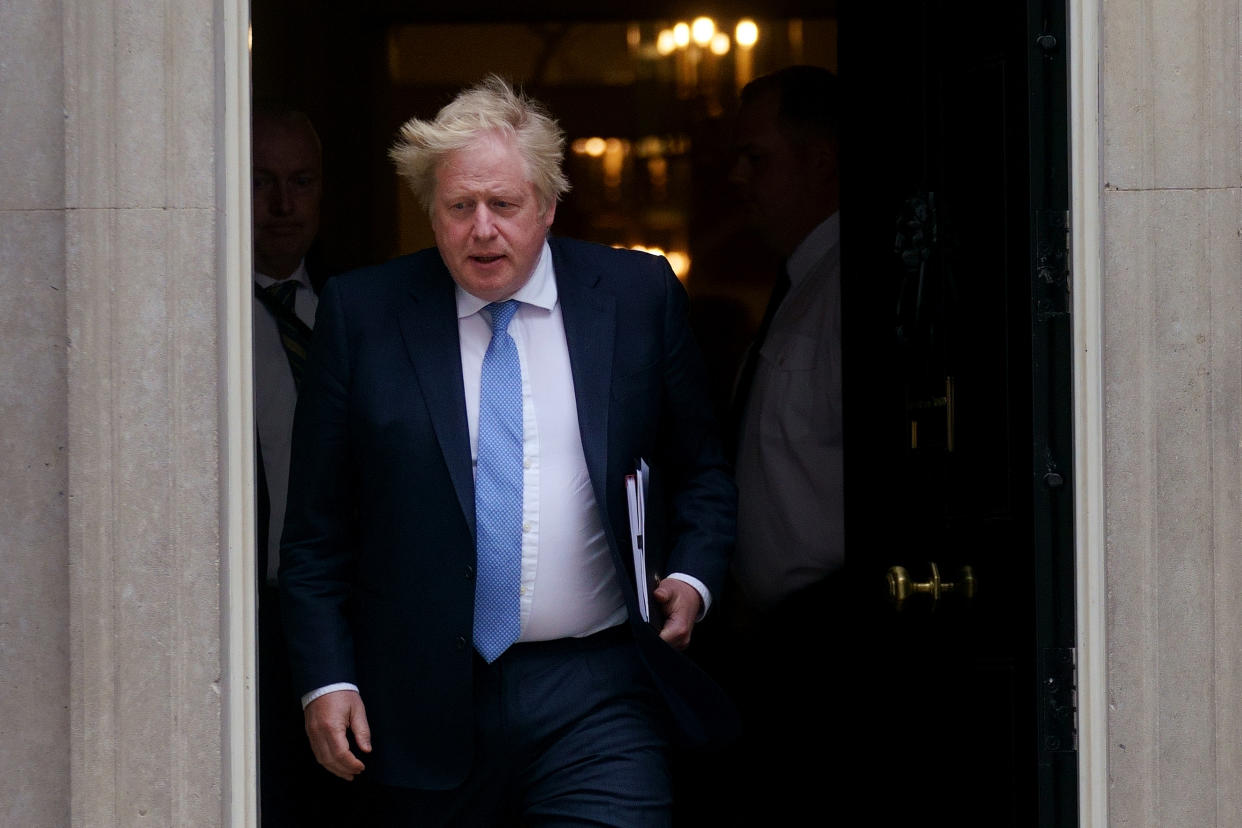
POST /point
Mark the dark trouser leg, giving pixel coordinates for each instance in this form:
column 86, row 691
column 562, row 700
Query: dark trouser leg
column 597, row 732
column 568, row 732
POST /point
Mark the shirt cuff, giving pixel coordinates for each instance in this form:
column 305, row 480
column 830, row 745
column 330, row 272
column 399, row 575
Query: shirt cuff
column 325, row 690
column 699, row 587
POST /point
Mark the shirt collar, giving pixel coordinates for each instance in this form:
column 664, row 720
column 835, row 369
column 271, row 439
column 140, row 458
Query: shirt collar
column 539, row 290
column 808, row 253
column 300, row 276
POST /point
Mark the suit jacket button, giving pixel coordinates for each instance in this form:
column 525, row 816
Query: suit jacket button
column 469, row 572
column 460, row 642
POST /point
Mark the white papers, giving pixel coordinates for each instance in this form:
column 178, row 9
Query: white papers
column 636, row 486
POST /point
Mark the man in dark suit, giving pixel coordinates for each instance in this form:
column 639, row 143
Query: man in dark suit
column 456, row 569
column 287, row 176
column 288, row 184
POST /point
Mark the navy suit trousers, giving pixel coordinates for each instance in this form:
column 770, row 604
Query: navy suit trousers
column 567, row 732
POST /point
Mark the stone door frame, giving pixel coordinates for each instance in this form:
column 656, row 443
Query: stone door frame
column 239, row 783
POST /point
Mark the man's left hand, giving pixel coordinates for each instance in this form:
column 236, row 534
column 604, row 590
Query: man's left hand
column 682, row 604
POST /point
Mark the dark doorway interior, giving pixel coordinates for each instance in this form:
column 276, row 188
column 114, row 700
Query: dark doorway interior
column 956, row 337
column 648, row 125
column 957, row 405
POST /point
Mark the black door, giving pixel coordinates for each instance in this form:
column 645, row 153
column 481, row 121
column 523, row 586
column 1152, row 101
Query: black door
column 958, row 497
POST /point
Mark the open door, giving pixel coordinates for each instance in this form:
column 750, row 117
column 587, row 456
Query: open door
column 958, row 709
column 958, row 489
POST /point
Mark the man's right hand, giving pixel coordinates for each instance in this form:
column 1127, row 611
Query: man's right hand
column 328, row 718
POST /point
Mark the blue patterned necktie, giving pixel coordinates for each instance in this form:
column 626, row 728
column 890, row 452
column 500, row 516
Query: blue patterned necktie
column 498, row 491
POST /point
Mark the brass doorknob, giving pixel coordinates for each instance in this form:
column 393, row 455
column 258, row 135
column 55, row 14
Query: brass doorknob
column 901, row 587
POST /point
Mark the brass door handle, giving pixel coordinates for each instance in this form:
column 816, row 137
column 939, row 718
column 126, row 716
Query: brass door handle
column 901, row 587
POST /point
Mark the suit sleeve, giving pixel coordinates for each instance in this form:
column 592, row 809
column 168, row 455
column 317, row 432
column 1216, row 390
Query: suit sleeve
column 701, row 495
column 316, row 553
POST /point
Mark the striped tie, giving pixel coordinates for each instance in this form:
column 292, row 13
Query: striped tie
column 295, row 335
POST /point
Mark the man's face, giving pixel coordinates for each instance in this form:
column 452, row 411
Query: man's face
column 287, row 188
column 781, row 183
column 487, row 220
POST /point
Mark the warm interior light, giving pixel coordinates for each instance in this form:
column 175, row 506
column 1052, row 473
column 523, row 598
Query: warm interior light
column 665, row 43
column 720, row 44
column 633, row 36
column 677, row 260
column 595, row 147
column 702, row 30
column 680, row 263
column 650, row 145
column 746, row 34
column 615, row 151
column 681, row 35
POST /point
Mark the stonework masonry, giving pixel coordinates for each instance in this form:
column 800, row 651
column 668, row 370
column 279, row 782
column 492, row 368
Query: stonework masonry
column 34, row 527
column 1171, row 103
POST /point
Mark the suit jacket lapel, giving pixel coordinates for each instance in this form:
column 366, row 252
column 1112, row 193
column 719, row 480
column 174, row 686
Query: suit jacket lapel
column 590, row 328
column 428, row 320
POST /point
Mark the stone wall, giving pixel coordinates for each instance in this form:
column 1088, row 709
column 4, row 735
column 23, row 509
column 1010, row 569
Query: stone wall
column 1170, row 96
column 142, row 125
column 113, row 682
column 34, row 555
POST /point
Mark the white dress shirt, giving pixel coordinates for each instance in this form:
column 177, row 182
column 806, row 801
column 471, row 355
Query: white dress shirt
column 790, row 473
column 569, row 584
column 274, row 399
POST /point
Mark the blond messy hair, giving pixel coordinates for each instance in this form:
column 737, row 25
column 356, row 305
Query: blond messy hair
column 489, row 107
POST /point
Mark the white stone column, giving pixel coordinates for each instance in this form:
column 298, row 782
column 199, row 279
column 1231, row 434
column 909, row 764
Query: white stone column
column 151, row 215
column 1171, row 293
column 34, row 558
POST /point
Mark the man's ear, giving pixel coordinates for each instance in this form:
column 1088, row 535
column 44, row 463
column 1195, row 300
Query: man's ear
column 549, row 213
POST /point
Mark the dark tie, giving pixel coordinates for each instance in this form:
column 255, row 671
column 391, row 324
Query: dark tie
column 498, row 492
column 737, row 408
column 295, row 335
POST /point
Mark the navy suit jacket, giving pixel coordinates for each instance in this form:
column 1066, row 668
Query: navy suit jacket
column 378, row 552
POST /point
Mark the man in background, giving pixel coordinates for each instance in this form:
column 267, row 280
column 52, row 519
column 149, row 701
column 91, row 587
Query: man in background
column 288, row 186
column 782, row 638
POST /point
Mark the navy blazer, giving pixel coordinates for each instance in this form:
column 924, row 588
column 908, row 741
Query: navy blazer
column 378, row 552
